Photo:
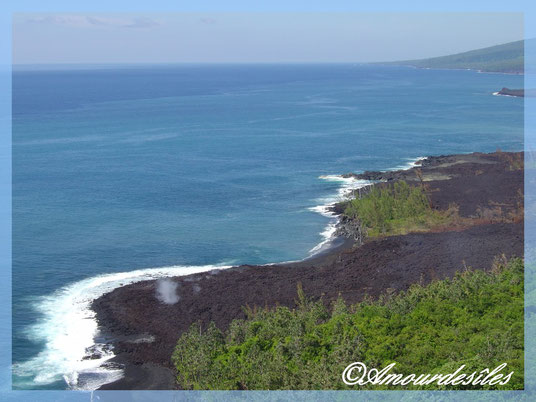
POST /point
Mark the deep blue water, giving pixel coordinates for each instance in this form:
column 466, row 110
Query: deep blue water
column 126, row 168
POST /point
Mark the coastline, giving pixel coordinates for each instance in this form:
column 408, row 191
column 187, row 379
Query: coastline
column 455, row 69
column 135, row 323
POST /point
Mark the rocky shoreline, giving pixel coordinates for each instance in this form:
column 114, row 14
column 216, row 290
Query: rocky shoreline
column 512, row 92
column 487, row 188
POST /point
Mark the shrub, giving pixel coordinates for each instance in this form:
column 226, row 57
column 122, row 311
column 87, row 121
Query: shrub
column 395, row 209
column 475, row 318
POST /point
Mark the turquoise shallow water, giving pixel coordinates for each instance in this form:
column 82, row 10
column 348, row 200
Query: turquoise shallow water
column 131, row 168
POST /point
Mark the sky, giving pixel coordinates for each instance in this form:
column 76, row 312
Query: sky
column 254, row 37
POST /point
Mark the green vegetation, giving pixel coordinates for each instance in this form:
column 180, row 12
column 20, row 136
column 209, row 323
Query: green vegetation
column 397, row 209
column 475, row 319
column 506, row 58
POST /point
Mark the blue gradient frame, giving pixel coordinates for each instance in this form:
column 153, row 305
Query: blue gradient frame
column 9, row 7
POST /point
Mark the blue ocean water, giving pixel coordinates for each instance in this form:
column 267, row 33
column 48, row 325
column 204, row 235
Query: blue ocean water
column 128, row 168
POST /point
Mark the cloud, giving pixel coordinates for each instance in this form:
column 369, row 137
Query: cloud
column 87, row 21
column 207, row 21
column 142, row 23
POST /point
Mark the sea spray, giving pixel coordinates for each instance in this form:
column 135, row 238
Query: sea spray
column 166, row 291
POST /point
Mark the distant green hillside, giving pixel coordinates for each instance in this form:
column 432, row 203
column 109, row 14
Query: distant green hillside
column 506, row 58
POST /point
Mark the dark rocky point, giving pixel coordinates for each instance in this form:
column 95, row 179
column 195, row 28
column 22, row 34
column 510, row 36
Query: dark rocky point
column 512, row 92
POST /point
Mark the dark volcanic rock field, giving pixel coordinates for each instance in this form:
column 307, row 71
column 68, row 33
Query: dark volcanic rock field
column 478, row 183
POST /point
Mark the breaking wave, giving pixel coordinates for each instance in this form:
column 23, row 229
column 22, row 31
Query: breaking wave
column 68, row 329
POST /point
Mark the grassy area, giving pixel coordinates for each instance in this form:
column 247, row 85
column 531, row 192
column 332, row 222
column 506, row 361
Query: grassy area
column 475, row 319
column 397, row 209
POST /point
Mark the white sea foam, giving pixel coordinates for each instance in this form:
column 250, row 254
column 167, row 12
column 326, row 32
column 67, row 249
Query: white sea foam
column 347, row 186
column 68, row 329
column 411, row 163
column 500, row 94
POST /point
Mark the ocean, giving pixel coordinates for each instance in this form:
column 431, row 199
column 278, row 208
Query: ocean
column 124, row 173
